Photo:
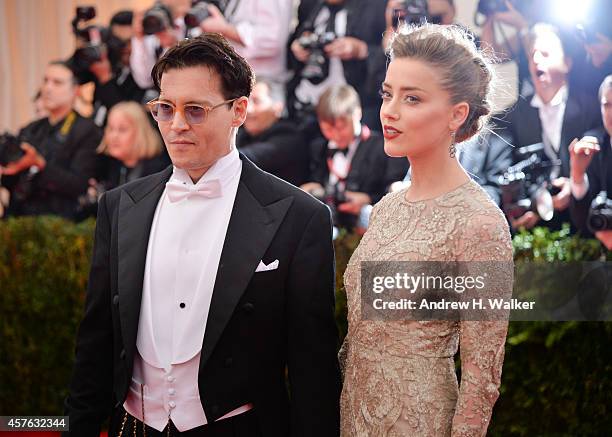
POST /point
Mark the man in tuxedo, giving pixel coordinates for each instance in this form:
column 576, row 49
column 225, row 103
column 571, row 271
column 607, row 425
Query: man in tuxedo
column 272, row 142
column 554, row 116
column 349, row 168
column 208, row 280
column 591, row 167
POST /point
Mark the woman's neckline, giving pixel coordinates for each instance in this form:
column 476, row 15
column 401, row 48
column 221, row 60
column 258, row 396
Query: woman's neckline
column 441, row 196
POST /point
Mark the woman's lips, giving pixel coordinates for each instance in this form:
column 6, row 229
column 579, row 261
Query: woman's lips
column 389, row 132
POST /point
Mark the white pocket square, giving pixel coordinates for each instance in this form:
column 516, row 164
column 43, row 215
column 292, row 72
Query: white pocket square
column 266, row 268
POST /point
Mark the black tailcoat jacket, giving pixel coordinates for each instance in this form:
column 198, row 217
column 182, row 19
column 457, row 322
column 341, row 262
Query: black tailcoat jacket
column 259, row 325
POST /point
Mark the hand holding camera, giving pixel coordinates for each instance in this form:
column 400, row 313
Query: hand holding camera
column 347, row 48
column 30, row 158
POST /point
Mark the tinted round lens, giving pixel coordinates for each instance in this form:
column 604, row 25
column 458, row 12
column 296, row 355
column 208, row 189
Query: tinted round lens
column 194, row 114
column 163, row 111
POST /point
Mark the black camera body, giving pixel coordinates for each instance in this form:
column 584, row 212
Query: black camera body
column 526, row 186
column 600, row 214
column 411, row 12
column 93, row 41
column 10, row 149
column 315, row 66
column 156, row 19
column 199, row 12
column 490, row 7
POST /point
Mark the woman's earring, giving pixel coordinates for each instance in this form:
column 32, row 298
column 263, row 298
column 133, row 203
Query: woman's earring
column 452, row 150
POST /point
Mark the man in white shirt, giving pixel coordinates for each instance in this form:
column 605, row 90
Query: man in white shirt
column 208, row 280
column 553, row 115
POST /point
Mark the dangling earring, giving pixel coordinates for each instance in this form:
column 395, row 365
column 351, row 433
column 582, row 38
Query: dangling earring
column 452, row 150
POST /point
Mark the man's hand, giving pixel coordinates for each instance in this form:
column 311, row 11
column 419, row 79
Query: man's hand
column 561, row 200
column 527, row 220
column 31, row 158
column 216, row 22
column 511, row 17
column 300, row 53
column 167, row 38
column 354, row 202
column 347, row 48
column 581, row 155
column 605, row 237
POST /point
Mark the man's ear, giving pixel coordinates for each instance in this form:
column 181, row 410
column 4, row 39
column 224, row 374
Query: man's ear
column 240, row 111
column 459, row 114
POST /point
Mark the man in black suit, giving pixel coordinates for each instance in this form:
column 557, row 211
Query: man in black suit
column 591, row 167
column 351, row 161
column 208, row 280
column 554, row 115
column 273, row 143
column 59, row 152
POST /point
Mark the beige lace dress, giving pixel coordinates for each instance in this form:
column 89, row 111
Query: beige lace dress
column 399, row 376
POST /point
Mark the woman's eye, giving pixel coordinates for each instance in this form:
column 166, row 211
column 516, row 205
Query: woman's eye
column 384, row 94
column 411, row 99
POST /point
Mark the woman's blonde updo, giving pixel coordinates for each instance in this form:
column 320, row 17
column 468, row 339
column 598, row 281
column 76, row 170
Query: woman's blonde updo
column 465, row 72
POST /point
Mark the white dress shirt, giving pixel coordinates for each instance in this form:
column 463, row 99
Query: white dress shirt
column 551, row 119
column 264, row 27
column 183, row 255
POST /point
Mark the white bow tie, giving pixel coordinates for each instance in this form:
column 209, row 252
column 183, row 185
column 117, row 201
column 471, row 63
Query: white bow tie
column 178, row 191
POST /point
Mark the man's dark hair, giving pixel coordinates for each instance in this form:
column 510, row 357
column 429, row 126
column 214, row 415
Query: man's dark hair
column 122, row 18
column 213, row 51
column 68, row 66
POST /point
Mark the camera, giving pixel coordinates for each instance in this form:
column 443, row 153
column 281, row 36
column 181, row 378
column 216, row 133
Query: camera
column 525, row 186
column 600, row 214
column 92, row 42
column 157, row 19
column 10, row 149
column 489, row 7
column 316, row 64
column 411, row 12
column 332, row 196
column 199, row 12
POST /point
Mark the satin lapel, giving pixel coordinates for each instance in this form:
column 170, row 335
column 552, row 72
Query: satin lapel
column 136, row 211
column 250, row 231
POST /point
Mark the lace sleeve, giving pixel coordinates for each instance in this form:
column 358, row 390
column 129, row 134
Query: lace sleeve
column 482, row 342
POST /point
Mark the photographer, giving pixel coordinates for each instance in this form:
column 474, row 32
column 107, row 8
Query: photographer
column 258, row 30
column 155, row 31
column 553, row 115
column 337, row 42
column 349, row 169
column 273, row 143
column 591, row 172
column 59, row 152
column 113, row 76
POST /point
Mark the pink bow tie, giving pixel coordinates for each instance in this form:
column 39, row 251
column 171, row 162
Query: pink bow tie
column 178, row 191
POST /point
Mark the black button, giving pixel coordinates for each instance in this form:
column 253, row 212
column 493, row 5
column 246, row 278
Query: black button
column 122, row 354
column 248, row 307
column 116, row 299
column 228, row 362
column 182, row 304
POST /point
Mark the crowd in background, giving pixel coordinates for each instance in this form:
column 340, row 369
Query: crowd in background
column 313, row 115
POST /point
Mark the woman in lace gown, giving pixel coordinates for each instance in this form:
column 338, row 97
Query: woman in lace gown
column 400, row 376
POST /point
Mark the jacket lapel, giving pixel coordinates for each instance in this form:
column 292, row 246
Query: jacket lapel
column 136, row 210
column 250, row 231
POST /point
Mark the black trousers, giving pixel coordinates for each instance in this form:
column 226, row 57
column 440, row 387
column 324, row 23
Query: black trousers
column 242, row 425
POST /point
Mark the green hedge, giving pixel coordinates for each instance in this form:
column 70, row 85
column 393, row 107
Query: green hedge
column 557, row 377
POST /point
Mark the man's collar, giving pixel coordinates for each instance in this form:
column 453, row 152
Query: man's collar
column 559, row 98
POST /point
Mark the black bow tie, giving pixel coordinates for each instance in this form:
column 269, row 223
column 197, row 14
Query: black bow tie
column 332, row 152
